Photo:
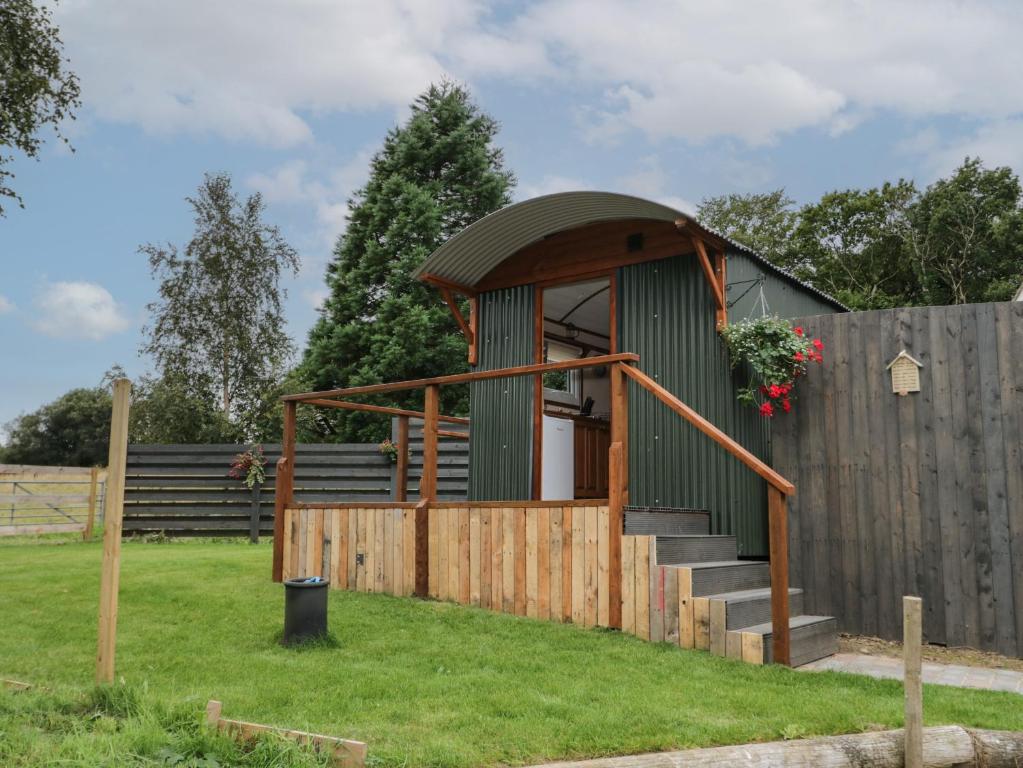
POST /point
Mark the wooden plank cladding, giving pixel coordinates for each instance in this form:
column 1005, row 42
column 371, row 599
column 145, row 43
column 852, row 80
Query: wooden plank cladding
column 919, row 494
column 543, row 560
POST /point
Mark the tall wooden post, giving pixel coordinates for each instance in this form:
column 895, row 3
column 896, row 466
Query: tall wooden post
column 618, row 490
column 778, row 534
column 90, row 521
column 912, row 637
column 113, row 513
column 431, row 409
column 401, row 476
column 284, row 487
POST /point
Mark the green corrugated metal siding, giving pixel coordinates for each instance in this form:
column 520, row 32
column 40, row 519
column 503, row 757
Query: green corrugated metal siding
column 667, row 317
column 501, row 410
column 784, row 298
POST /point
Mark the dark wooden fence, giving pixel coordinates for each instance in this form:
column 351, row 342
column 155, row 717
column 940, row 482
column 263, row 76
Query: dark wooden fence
column 914, row 495
column 185, row 490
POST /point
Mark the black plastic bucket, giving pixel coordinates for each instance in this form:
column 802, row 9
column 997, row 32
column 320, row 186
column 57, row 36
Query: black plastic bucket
column 305, row 609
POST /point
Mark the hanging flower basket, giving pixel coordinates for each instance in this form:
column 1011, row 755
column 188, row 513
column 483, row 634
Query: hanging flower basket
column 248, row 467
column 776, row 354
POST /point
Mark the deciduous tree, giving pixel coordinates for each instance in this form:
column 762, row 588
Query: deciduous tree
column 36, row 87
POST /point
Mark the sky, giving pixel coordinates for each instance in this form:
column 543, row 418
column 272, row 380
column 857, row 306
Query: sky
column 667, row 99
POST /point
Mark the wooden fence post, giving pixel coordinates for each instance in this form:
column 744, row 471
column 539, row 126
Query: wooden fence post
column 90, row 521
column 778, row 534
column 912, row 637
column 401, row 476
column 431, row 409
column 283, row 487
column 113, row 513
column 618, row 490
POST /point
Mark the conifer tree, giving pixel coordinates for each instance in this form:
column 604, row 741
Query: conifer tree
column 435, row 175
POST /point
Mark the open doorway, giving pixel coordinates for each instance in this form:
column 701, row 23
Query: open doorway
column 576, row 404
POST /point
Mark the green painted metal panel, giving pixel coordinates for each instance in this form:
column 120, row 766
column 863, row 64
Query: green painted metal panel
column 666, row 315
column 501, row 410
column 783, row 297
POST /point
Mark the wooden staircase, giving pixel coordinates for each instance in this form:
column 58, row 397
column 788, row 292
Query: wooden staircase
column 727, row 600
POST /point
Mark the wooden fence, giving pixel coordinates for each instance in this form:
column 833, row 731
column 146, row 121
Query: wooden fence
column 185, row 490
column 39, row 500
column 543, row 560
column 919, row 494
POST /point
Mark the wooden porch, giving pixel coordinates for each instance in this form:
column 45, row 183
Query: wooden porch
column 559, row 560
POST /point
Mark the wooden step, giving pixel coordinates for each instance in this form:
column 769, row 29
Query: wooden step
column 715, row 615
column 675, row 550
column 718, row 577
column 667, row 521
column 810, row 638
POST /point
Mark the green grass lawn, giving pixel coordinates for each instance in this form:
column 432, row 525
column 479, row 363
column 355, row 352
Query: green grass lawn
column 423, row 683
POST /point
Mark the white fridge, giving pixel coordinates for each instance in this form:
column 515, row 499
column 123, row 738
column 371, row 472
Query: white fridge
column 557, row 480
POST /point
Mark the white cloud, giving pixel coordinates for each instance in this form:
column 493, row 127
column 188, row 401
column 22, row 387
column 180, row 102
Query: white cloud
column 650, row 181
column 78, row 310
column 6, row 305
column 315, row 296
column 548, row 185
column 997, row 143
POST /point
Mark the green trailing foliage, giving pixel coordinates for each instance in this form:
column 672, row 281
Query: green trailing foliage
column 434, row 176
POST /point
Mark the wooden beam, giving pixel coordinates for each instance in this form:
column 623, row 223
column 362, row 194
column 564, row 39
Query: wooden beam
column 341, row 752
column 451, row 285
column 461, row 378
column 720, row 270
column 401, row 476
column 536, row 474
column 422, row 536
column 616, row 496
column 449, row 299
column 778, row 536
column 452, row 433
column 112, row 516
column 773, row 478
column 428, row 482
column 708, row 272
column 283, row 488
column 912, row 638
column 474, row 327
column 381, row 409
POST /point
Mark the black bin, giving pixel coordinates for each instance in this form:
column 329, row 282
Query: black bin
column 305, row 609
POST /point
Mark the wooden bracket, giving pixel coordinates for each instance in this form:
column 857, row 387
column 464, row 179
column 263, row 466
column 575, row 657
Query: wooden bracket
column 715, row 277
column 447, row 290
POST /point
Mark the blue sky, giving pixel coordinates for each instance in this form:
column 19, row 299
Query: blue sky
column 670, row 100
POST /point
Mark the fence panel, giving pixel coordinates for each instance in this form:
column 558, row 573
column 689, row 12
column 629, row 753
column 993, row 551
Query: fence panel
column 185, row 490
column 37, row 500
column 919, row 494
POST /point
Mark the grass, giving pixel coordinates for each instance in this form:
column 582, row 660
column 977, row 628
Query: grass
column 424, row 683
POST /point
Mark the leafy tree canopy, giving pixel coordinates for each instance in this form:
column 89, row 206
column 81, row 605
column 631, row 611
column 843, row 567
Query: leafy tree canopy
column 435, row 175
column 763, row 222
column 72, row 431
column 36, row 88
column 217, row 329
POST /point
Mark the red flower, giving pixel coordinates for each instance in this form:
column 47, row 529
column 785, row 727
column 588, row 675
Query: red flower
column 786, row 405
column 798, row 357
column 818, row 344
column 819, row 357
column 774, row 391
column 785, row 388
column 767, row 410
column 763, row 389
column 798, row 330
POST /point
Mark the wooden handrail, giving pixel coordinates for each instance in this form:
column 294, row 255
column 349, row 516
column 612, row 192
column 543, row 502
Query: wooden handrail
column 779, row 488
column 382, row 409
column 715, row 434
column 461, row 378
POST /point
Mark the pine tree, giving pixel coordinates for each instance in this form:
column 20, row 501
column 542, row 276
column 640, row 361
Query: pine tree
column 433, row 177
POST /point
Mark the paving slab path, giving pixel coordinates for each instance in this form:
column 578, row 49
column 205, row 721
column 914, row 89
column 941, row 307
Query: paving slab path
column 957, row 675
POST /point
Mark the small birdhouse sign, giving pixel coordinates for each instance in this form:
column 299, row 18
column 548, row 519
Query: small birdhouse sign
column 905, row 373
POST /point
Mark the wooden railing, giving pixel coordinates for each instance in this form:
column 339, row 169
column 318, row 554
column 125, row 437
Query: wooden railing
column 778, row 488
column 621, row 367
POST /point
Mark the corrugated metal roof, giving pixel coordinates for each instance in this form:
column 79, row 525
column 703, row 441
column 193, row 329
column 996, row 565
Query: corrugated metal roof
column 471, row 254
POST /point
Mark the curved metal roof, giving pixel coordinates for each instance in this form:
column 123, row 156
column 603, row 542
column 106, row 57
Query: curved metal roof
column 470, row 255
